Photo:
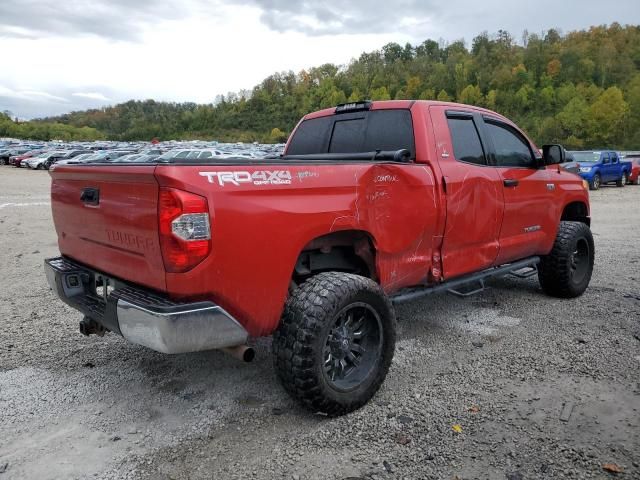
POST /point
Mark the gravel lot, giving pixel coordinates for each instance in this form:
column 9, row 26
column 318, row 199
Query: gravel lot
column 539, row 387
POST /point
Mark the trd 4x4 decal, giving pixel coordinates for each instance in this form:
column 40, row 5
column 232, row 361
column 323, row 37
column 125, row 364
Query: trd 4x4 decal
column 261, row 177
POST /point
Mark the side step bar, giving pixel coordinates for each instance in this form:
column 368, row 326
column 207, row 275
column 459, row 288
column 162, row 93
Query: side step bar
column 453, row 286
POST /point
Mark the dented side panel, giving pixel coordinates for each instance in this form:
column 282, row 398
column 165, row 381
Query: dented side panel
column 261, row 221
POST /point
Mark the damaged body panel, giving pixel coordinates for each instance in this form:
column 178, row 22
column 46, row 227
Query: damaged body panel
column 405, row 193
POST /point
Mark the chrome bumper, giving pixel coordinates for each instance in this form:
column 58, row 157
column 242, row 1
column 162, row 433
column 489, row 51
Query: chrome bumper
column 140, row 316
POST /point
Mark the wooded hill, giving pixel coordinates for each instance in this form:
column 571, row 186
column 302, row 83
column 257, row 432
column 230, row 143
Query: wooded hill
column 581, row 89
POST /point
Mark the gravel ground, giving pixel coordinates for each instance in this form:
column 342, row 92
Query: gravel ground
column 508, row 384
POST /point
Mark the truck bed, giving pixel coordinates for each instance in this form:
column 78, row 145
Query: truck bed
column 262, row 215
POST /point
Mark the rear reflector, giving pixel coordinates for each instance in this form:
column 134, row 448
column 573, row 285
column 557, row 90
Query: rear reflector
column 185, row 232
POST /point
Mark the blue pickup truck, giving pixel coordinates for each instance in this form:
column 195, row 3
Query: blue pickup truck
column 601, row 167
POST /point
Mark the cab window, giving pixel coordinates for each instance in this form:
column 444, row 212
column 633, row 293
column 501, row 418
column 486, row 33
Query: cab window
column 466, row 141
column 512, row 149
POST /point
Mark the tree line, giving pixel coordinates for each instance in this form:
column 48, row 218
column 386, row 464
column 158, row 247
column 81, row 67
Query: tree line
column 581, row 89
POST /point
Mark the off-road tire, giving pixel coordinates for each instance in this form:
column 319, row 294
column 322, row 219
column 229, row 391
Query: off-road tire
column 557, row 272
column 299, row 342
column 596, row 183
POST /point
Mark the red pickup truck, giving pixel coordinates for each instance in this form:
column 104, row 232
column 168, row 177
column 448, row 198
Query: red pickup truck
column 372, row 203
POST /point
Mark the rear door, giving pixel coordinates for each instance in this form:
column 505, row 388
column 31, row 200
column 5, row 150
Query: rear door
column 530, row 215
column 473, row 192
column 606, row 169
column 106, row 217
column 616, row 166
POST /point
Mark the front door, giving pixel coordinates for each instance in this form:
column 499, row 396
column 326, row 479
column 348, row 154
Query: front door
column 473, row 192
column 530, row 215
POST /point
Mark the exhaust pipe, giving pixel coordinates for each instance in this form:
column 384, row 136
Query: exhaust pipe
column 244, row 353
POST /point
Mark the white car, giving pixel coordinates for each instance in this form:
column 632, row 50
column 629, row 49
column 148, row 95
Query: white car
column 40, row 162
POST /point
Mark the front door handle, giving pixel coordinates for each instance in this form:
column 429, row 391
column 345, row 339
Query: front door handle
column 511, row 183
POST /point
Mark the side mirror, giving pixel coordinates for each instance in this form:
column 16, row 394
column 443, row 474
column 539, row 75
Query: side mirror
column 553, row 154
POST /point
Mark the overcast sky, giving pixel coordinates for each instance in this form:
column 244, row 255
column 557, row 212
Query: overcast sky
column 63, row 55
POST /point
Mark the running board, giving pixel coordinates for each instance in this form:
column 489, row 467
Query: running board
column 453, row 286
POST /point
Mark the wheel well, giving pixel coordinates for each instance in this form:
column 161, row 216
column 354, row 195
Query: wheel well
column 347, row 251
column 576, row 212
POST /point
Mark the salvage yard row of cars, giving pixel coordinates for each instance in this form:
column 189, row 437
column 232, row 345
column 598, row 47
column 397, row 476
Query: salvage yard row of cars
column 597, row 168
column 40, row 156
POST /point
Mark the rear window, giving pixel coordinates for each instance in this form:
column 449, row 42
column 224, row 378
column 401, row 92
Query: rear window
column 355, row 133
column 466, row 141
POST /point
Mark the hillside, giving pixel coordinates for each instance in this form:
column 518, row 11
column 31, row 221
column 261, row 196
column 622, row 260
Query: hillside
column 581, row 89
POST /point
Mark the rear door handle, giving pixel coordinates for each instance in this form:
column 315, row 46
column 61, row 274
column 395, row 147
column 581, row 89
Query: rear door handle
column 511, row 183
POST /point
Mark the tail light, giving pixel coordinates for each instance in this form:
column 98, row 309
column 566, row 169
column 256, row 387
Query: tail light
column 185, row 233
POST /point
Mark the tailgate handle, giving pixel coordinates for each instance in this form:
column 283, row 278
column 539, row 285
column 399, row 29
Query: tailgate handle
column 90, row 196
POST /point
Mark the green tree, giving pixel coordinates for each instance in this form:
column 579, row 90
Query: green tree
column 557, row 87
column 443, row 96
column 471, row 95
column 277, row 136
column 606, row 118
column 380, row 94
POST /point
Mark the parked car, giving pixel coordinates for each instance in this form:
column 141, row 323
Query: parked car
column 8, row 153
column 190, row 154
column 18, row 159
column 634, row 177
column 83, row 157
column 313, row 247
column 56, row 156
column 570, row 164
column 40, row 162
column 108, row 156
column 602, row 167
column 135, row 158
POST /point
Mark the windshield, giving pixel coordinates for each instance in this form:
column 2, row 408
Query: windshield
column 586, row 156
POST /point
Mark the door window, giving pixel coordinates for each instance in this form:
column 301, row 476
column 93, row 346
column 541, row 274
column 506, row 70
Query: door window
column 512, row 149
column 605, row 158
column 466, row 141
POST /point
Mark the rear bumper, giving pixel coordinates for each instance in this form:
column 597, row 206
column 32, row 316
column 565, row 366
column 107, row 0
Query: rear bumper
column 140, row 316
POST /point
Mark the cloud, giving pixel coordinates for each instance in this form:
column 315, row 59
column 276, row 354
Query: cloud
column 113, row 19
column 338, row 17
column 92, row 96
column 64, row 55
column 35, row 103
column 30, row 95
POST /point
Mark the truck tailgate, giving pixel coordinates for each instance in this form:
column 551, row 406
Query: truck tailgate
column 106, row 217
